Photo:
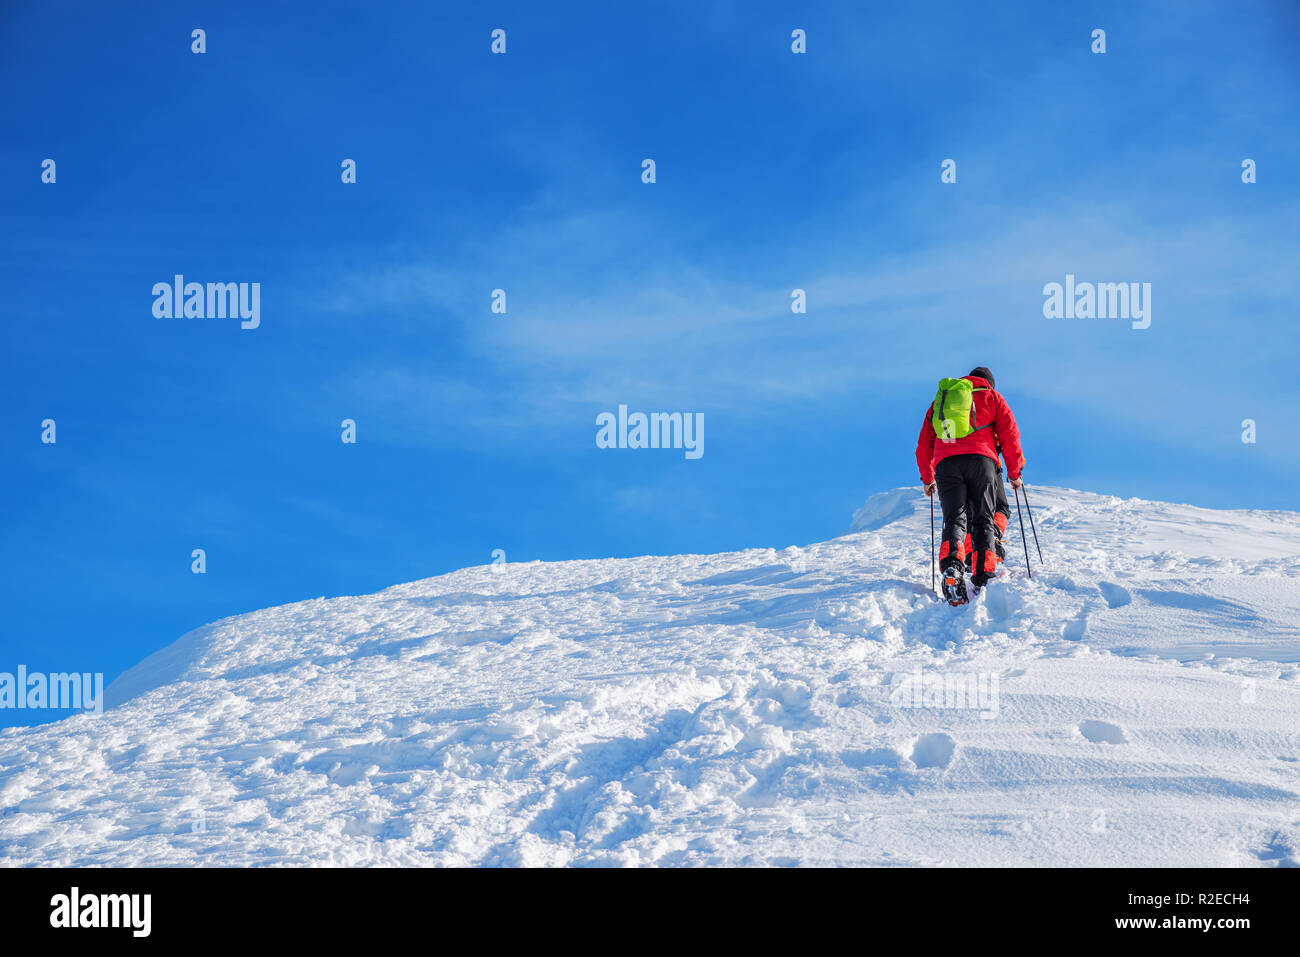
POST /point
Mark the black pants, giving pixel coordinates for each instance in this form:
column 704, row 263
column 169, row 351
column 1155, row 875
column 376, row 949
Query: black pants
column 968, row 493
column 1000, row 506
column 1000, row 503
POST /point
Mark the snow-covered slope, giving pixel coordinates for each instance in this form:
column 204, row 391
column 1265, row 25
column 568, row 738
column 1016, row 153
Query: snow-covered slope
column 1135, row 703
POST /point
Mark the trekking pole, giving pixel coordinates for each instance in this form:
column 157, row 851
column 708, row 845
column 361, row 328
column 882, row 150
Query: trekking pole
column 1022, row 532
column 932, row 587
column 1031, row 522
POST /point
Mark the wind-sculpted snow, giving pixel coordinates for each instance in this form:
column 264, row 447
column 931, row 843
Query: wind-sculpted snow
column 1135, row 703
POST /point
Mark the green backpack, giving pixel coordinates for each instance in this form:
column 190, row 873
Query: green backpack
column 952, row 414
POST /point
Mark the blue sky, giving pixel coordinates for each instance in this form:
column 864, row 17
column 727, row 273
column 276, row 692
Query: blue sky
column 476, row 431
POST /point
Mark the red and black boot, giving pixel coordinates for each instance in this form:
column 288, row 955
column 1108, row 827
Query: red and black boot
column 954, row 584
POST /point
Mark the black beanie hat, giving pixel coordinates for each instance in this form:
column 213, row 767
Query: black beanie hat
column 984, row 373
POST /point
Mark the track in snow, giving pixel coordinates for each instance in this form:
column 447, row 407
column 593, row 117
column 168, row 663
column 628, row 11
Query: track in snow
column 1139, row 706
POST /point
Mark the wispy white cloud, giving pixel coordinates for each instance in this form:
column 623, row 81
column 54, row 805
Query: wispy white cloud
column 653, row 328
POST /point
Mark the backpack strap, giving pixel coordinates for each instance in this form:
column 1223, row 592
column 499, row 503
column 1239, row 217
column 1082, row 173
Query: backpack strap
column 974, row 416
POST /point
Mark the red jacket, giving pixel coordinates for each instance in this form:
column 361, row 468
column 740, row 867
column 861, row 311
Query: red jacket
column 989, row 407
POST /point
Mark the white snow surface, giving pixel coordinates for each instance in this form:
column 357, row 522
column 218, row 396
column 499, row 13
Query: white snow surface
column 1142, row 696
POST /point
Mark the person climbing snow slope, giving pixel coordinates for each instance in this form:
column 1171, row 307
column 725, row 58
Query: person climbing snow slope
column 964, row 428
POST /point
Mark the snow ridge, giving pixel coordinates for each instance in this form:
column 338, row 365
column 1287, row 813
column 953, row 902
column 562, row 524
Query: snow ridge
column 1134, row 703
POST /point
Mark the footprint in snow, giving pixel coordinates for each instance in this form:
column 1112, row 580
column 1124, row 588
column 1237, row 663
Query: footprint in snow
column 1278, row 853
column 999, row 602
column 1101, row 732
column 933, row 750
column 1116, row 595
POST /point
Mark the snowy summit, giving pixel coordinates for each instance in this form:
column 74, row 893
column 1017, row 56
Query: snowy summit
column 1135, row 703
